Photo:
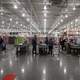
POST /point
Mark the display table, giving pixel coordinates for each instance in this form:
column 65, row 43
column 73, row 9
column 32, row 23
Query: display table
column 43, row 49
column 73, row 49
column 22, row 49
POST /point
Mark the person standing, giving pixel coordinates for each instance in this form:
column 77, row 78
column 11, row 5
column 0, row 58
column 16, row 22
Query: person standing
column 34, row 44
column 46, row 41
column 47, row 45
column 51, row 46
column 1, row 43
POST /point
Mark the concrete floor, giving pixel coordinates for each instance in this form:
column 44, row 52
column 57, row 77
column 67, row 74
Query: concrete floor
column 62, row 67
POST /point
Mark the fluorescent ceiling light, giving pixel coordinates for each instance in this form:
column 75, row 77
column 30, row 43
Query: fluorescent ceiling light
column 22, row 70
column 21, row 25
column 3, row 22
column 16, row 22
column 76, row 20
column 59, row 23
column 10, row 19
column 71, row 22
column 1, row 13
column 66, row 16
column 28, row 19
column 61, row 20
column 23, row 14
column 15, row 7
column 45, row 7
column 45, row 20
column 74, row 8
column 45, row 14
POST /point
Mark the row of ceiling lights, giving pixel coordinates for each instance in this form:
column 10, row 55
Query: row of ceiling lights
column 66, row 16
column 23, row 14
column 17, row 23
column 45, row 15
column 62, row 20
column 28, row 18
column 72, row 23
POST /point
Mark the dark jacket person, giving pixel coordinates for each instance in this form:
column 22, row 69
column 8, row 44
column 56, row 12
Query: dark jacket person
column 51, row 46
column 34, row 44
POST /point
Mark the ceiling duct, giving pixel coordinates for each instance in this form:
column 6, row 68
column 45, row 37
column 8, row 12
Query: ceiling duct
column 59, row 3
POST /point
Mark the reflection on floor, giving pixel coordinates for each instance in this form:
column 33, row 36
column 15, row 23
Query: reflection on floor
column 58, row 67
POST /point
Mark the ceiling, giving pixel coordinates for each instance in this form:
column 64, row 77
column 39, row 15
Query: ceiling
column 44, row 16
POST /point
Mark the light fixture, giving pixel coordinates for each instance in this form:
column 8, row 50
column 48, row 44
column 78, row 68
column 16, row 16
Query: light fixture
column 15, row 7
column 10, row 19
column 45, row 20
column 1, row 13
column 21, row 25
column 45, row 14
column 66, row 16
column 76, row 20
column 45, row 7
column 28, row 19
column 59, row 23
column 22, row 70
column 16, row 22
column 61, row 20
column 71, row 22
column 3, row 22
column 74, row 8
column 23, row 15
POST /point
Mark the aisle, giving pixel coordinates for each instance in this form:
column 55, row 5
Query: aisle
column 62, row 67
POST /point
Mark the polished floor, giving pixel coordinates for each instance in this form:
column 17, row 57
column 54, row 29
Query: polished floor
column 58, row 67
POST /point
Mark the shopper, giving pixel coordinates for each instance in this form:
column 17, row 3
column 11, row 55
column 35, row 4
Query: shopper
column 40, row 47
column 63, row 43
column 46, row 41
column 34, row 44
column 51, row 46
column 1, row 43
